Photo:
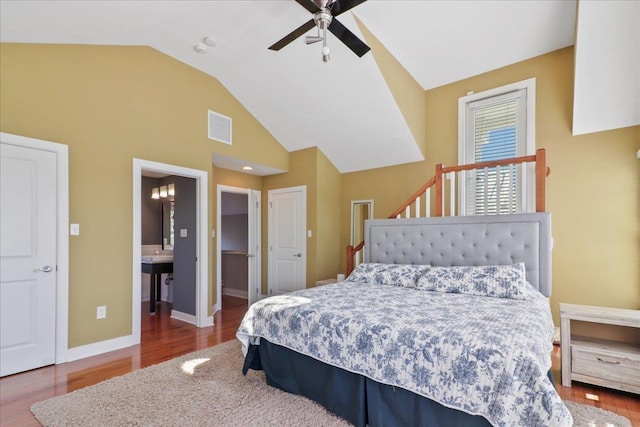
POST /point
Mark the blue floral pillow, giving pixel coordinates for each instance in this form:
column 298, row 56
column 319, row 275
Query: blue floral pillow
column 404, row 275
column 499, row 281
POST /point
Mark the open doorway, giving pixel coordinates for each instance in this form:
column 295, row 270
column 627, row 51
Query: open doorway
column 189, row 240
column 169, row 258
column 238, row 246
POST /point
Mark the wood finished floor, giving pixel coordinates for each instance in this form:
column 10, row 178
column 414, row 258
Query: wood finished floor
column 164, row 338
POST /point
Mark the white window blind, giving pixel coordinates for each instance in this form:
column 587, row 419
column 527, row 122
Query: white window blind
column 494, row 126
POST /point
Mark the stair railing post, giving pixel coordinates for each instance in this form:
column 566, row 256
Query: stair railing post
column 541, row 172
column 349, row 260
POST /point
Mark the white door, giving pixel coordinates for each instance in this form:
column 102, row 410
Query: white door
column 254, row 253
column 287, row 239
column 27, row 258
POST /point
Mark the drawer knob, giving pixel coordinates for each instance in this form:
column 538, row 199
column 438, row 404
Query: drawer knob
column 617, row 362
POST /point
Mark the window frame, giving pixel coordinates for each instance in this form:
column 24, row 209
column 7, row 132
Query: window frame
column 525, row 148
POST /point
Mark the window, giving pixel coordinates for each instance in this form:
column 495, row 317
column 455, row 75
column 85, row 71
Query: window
column 492, row 125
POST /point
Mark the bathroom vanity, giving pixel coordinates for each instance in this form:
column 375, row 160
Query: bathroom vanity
column 155, row 265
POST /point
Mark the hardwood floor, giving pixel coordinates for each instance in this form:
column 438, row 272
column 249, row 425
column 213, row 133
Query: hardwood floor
column 164, row 338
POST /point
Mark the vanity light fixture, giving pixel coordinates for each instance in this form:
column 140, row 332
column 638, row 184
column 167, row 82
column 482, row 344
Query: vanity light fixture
column 165, row 191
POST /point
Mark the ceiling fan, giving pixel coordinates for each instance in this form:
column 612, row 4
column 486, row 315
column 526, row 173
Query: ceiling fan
column 324, row 13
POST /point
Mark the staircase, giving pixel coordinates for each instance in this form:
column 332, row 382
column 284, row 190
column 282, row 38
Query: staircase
column 496, row 181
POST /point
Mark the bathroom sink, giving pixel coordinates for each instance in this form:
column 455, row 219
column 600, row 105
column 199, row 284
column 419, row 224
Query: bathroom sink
column 156, row 259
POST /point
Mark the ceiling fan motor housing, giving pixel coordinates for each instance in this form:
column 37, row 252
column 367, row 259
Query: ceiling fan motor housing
column 323, row 18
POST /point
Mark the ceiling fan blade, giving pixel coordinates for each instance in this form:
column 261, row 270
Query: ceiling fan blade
column 293, row 35
column 347, row 37
column 341, row 6
column 309, row 5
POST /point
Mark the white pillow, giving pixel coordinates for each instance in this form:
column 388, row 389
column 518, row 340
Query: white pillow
column 404, row 275
column 499, row 281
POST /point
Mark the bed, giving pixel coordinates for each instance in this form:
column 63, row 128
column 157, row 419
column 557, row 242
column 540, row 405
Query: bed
column 438, row 327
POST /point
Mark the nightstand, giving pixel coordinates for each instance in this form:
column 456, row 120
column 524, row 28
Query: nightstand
column 607, row 362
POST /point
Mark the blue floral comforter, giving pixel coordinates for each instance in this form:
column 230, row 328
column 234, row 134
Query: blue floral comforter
column 485, row 356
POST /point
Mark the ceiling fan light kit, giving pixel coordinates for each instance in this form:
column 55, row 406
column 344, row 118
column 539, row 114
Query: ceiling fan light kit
column 324, row 13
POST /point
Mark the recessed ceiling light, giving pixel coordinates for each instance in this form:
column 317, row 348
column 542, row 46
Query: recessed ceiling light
column 247, row 168
column 200, row 48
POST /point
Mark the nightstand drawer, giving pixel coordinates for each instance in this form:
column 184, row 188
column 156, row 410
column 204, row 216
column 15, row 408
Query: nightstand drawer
column 616, row 367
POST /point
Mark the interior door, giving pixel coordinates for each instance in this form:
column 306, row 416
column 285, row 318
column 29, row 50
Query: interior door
column 254, row 253
column 27, row 258
column 287, row 240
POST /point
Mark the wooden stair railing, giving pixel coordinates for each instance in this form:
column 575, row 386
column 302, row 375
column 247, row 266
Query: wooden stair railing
column 355, row 253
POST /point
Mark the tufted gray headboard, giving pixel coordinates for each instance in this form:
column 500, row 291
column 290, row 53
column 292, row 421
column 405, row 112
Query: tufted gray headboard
column 465, row 240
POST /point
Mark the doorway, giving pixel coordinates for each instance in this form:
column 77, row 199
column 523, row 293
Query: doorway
column 238, row 244
column 198, row 232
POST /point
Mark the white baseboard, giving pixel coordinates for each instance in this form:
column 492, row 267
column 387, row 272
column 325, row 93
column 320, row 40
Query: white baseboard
column 94, row 349
column 189, row 318
column 235, row 293
column 208, row 322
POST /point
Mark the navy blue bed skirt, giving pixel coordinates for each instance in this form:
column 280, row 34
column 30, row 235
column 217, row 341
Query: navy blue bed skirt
column 357, row 399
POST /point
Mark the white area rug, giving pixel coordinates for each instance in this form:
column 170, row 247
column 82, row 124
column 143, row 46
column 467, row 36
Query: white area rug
column 206, row 388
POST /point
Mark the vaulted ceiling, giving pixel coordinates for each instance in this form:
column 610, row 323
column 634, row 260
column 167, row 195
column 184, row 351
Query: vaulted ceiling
column 344, row 106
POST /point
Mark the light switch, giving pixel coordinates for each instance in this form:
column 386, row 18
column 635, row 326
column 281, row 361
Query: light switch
column 183, row 232
column 309, row 233
column 74, row 229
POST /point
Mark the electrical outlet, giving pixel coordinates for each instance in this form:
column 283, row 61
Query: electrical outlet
column 101, row 312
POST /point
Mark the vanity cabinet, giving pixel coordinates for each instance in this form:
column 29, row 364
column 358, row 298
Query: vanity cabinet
column 155, row 270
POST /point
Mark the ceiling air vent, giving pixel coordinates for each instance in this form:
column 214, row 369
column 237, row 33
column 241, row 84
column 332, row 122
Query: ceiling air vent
column 219, row 127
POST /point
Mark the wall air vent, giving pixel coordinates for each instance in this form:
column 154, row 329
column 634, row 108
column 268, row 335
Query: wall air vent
column 219, row 127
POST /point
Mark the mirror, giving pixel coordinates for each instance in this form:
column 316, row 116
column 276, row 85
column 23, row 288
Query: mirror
column 168, row 208
column 361, row 210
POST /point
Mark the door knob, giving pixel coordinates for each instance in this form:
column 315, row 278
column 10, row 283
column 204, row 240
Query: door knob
column 250, row 255
column 45, row 269
column 297, row 255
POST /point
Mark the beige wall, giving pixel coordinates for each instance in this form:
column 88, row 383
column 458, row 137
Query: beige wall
column 328, row 219
column 109, row 105
column 406, row 91
column 592, row 192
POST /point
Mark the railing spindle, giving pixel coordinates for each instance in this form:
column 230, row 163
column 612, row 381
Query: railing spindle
column 438, row 185
column 427, row 203
column 407, row 212
column 511, row 174
column 486, row 190
column 498, row 191
column 418, row 207
column 452, row 192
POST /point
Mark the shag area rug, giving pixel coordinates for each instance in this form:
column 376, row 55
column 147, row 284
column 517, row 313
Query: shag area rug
column 206, row 388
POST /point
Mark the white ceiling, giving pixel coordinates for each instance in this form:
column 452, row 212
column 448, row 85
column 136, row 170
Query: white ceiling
column 344, row 106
